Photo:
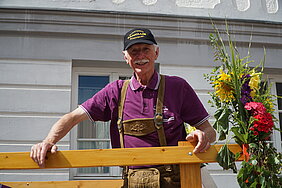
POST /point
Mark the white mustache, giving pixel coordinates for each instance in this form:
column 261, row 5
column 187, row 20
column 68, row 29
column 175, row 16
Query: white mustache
column 141, row 61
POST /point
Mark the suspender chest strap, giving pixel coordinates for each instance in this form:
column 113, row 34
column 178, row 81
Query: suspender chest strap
column 120, row 112
column 142, row 126
column 159, row 113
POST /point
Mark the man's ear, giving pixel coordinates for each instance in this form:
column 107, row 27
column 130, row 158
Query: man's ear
column 157, row 53
column 124, row 57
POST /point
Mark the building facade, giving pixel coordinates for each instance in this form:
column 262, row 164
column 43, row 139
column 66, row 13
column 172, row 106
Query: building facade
column 57, row 53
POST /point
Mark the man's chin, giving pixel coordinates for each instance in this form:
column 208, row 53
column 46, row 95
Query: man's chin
column 138, row 70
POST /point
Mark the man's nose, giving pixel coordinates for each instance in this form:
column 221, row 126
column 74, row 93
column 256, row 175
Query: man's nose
column 141, row 54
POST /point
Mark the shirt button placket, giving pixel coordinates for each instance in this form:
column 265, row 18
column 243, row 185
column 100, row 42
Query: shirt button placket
column 145, row 100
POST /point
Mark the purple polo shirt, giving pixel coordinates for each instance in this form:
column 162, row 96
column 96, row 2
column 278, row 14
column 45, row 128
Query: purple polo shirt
column 181, row 104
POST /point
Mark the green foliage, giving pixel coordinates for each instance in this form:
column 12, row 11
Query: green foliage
column 226, row 158
column 222, row 122
column 263, row 167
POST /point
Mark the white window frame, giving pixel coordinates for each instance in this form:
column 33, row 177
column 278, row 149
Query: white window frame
column 276, row 137
column 114, row 74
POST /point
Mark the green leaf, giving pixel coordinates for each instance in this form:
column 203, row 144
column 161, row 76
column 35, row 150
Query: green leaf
column 222, row 122
column 262, row 181
column 253, row 145
column 246, row 136
column 237, row 155
column 242, row 137
column 254, row 185
column 226, row 158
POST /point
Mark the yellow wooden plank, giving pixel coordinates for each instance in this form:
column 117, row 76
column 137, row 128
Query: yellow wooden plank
column 113, row 157
column 66, row 184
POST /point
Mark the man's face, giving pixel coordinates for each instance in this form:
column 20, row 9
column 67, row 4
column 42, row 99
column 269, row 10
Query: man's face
column 141, row 58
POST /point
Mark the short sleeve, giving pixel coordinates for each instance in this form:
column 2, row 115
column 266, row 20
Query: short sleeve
column 103, row 104
column 192, row 109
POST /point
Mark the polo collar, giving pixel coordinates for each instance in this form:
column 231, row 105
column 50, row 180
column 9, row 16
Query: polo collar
column 153, row 84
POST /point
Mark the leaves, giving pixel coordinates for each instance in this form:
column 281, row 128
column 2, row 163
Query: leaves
column 221, row 123
column 263, row 169
column 243, row 138
column 226, row 158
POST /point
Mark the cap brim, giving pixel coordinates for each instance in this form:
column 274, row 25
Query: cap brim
column 138, row 42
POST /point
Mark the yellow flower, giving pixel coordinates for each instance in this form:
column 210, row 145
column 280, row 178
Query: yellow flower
column 269, row 104
column 190, row 129
column 222, row 88
column 254, row 83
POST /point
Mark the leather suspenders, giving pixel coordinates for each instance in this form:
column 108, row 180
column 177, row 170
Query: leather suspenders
column 120, row 112
column 159, row 113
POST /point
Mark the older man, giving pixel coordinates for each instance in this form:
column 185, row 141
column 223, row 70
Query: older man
column 146, row 111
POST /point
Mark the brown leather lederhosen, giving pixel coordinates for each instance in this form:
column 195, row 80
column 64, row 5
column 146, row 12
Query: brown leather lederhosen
column 145, row 126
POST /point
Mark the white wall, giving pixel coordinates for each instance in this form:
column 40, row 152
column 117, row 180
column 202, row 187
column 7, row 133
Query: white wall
column 33, row 95
column 266, row 10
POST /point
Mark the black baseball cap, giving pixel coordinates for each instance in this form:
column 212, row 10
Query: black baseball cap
column 138, row 35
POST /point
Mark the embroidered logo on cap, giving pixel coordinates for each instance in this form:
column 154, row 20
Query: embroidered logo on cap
column 136, row 35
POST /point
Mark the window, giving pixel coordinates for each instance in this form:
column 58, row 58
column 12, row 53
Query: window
column 279, row 103
column 93, row 135
column 276, row 82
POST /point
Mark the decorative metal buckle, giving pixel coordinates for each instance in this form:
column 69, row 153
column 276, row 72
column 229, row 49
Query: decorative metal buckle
column 119, row 124
column 158, row 119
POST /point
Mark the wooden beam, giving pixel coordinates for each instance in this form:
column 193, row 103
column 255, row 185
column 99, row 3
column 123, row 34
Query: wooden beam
column 66, row 184
column 114, row 157
column 190, row 174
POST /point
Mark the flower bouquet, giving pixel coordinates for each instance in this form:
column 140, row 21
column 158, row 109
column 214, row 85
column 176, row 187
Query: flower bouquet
column 245, row 113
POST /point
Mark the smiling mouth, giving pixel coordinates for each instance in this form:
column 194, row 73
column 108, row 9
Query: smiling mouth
column 141, row 62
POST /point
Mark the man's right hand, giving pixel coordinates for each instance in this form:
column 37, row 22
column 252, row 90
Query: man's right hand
column 38, row 152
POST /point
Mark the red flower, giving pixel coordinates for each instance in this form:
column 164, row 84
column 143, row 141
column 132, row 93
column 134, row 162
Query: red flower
column 264, row 121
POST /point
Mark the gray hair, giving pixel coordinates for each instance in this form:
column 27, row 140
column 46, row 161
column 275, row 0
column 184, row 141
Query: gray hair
column 155, row 46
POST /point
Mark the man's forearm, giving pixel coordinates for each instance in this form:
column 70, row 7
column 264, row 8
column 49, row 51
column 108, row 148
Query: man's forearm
column 64, row 125
column 57, row 132
column 208, row 130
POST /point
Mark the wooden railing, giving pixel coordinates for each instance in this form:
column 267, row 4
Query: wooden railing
column 182, row 154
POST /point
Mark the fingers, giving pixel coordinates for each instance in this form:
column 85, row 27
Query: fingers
column 54, row 149
column 191, row 138
column 208, row 145
column 33, row 153
column 38, row 152
column 199, row 136
column 42, row 154
column 201, row 142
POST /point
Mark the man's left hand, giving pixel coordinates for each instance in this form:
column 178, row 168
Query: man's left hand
column 204, row 136
column 202, row 142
